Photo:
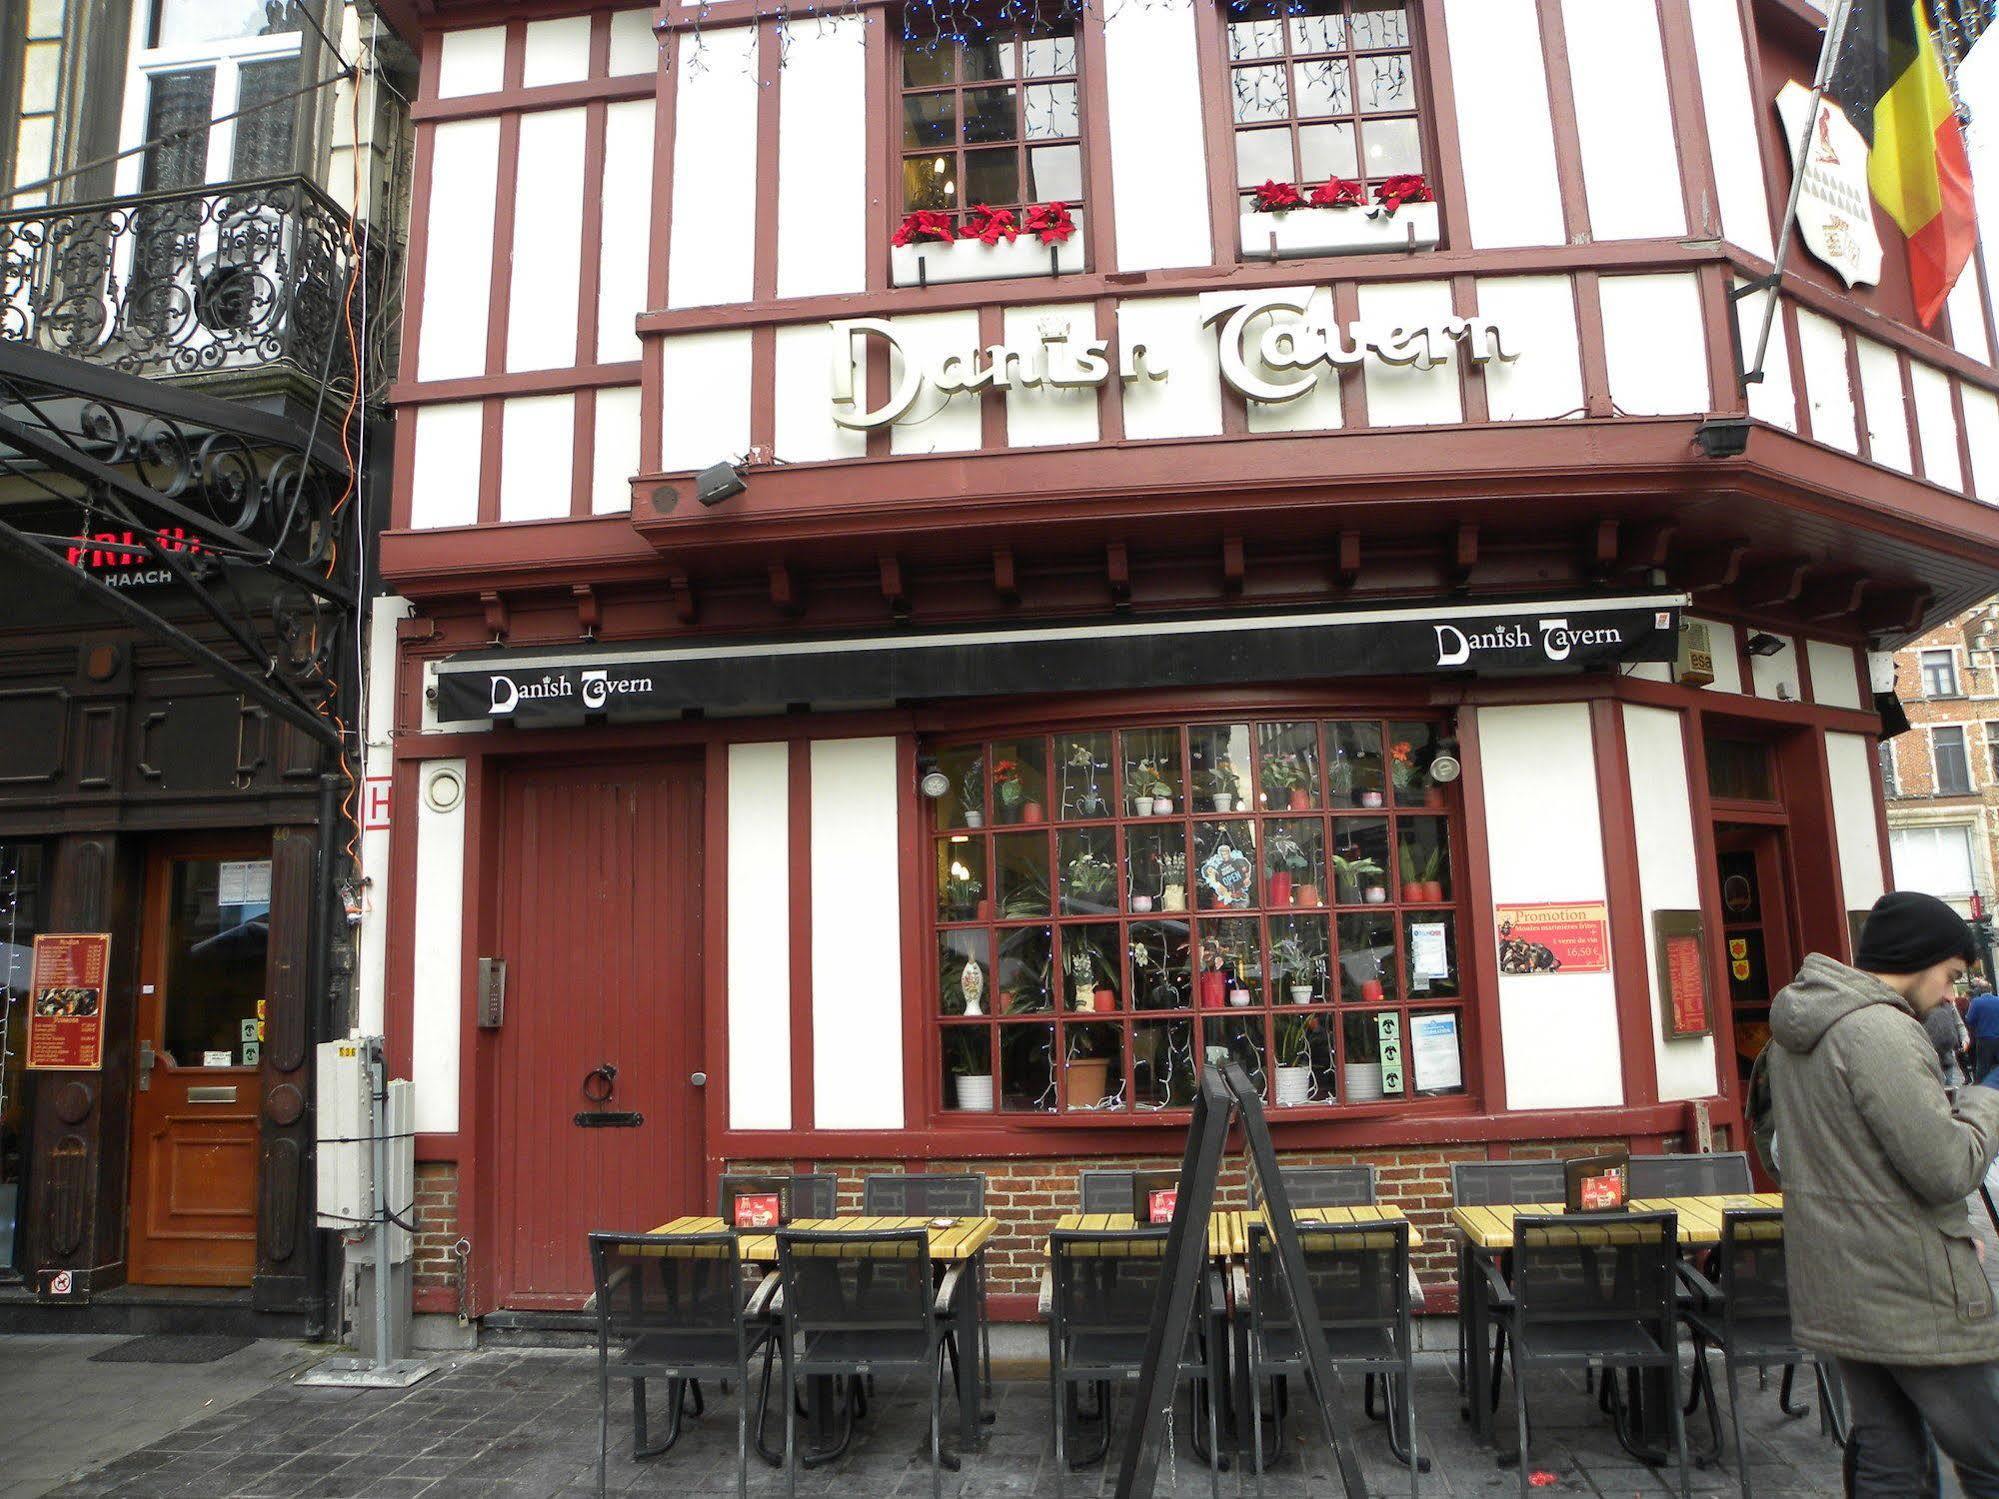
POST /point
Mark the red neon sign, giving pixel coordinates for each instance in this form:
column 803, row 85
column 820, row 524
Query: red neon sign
column 112, row 551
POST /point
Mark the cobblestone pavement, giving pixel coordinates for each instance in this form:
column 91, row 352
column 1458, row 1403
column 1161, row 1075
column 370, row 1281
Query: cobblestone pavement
column 524, row 1423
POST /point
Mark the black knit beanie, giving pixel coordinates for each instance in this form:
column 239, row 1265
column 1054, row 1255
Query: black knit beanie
column 1908, row 931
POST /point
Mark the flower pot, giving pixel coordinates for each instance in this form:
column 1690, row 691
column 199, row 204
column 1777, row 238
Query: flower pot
column 1162, row 806
column 1006, row 1002
column 1083, row 1082
column 1106, row 1000
column 975, row 819
column 1141, row 903
column 1305, row 895
column 1433, row 891
column 1280, row 888
column 984, row 911
column 1433, row 796
column 1214, row 989
column 1173, row 898
column 1238, row 999
column 975, row 1092
column 1370, row 798
column 1347, row 891
column 1377, row 895
column 1142, row 805
column 1301, row 799
column 1294, row 1086
column 1412, row 891
column 1370, row 991
column 1031, row 812
column 1224, row 803
column 1301, row 994
column 1361, row 1082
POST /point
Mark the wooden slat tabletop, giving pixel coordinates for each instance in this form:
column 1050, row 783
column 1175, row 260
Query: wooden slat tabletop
column 1491, row 1227
column 1226, row 1235
column 951, row 1245
column 1378, row 1212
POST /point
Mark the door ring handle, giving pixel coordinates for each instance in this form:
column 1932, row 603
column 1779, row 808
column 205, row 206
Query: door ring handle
column 599, row 1083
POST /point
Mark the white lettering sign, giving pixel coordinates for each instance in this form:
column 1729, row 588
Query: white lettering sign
column 1557, row 640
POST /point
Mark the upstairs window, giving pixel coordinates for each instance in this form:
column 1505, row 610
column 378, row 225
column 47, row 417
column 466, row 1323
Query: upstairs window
column 1939, row 673
column 1992, row 750
column 1886, row 751
column 992, row 118
column 204, row 61
column 1953, row 765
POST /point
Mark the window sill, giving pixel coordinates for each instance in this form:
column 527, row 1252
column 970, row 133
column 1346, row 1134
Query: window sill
column 936, row 264
column 1338, row 231
column 1176, row 1118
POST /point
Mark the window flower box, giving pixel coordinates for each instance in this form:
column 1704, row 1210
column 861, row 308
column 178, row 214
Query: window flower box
column 1338, row 231
column 933, row 262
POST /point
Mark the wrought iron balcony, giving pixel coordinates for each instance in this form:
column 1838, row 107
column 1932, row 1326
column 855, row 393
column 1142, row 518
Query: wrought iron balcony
column 237, row 277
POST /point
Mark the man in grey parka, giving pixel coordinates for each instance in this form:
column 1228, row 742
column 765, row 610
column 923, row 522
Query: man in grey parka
column 1877, row 1162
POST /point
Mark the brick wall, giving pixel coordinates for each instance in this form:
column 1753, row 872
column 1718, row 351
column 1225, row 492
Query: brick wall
column 1916, row 804
column 434, row 1273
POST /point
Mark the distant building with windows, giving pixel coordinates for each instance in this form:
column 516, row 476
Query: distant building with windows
column 1941, row 778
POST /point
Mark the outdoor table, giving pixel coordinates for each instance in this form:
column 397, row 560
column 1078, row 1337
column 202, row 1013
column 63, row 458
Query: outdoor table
column 953, row 1242
column 1488, row 1230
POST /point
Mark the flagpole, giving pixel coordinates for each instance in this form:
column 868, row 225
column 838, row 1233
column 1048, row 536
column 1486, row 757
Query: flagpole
column 1835, row 31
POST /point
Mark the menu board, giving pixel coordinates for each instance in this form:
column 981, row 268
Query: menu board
column 1683, row 980
column 1554, row 937
column 66, row 1001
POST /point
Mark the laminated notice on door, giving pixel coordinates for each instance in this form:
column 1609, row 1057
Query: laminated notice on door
column 243, row 882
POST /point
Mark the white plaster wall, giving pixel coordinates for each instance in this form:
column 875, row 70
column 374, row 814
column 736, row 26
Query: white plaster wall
column 759, row 937
column 435, row 992
column 1731, row 109
column 1936, row 425
column 472, row 61
column 458, row 267
column 1966, row 305
column 1512, row 194
column 1624, row 119
column 1981, row 431
column 822, row 155
column 1318, row 409
column 1828, row 384
column 1159, row 188
column 1662, row 813
column 548, row 241
column 1545, row 843
column 444, row 471
column 1188, row 403
column 1835, row 674
column 1409, row 396
column 1771, row 399
column 1881, row 398
column 1727, row 660
column 936, row 423
column 378, row 722
column 557, row 51
column 857, row 948
column 1042, row 416
column 1776, row 677
column 537, row 454
column 625, row 254
column 806, row 431
column 1855, row 783
column 633, row 47
column 1539, row 316
column 714, row 164
column 705, row 385
column 614, row 455
column 1655, row 344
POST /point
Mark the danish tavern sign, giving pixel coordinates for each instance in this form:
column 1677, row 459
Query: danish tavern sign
column 1835, row 202
column 1271, row 347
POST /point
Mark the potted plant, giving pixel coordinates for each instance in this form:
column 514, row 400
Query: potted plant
column 1010, row 793
column 972, row 794
column 1089, row 801
column 1348, row 874
column 1412, row 875
column 1298, row 967
column 1223, row 785
column 1411, row 779
column 1433, row 887
column 1029, row 897
column 1283, row 859
column 1295, row 1080
column 1360, row 1070
column 1419, row 875
column 1173, row 883
column 1085, row 1073
column 971, row 1073
column 1339, row 776
column 1285, row 780
column 1151, row 792
column 962, row 895
column 1088, row 884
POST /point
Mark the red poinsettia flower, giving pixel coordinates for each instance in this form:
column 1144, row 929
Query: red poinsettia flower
column 1339, row 192
column 1050, row 222
column 1276, row 197
column 990, row 225
column 1395, row 191
column 925, row 223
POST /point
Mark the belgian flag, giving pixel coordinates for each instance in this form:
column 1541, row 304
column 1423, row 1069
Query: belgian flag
column 1890, row 81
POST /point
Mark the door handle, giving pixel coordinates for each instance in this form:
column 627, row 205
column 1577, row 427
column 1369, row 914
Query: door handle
column 145, row 1066
column 699, row 1079
column 599, row 1083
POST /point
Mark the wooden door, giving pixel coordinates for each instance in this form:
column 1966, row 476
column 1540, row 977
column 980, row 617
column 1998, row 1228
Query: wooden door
column 1757, row 939
column 204, row 937
column 600, row 927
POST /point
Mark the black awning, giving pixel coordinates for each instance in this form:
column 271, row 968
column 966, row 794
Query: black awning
column 637, row 682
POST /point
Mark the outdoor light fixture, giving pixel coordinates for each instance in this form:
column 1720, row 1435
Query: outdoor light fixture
column 718, row 482
column 1723, row 436
column 1444, row 768
column 931, row 781
column 1763, row 644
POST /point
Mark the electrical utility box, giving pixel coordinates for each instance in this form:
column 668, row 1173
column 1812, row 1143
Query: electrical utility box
column 346, row 1155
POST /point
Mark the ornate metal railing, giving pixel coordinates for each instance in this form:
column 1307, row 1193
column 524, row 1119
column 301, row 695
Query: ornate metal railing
column 239, row 276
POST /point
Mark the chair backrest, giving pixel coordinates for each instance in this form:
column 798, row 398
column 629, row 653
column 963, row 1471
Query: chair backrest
column 875, row 1283
column 1596, row 1267
column 1104, row 1190
column 649, row 1283
column 1359, row 1274
column 919, row 1195
column 1713, row 1175
column 1105, row 1281
column 809, row 1194
column 1321, row 1186
column 1754, row 1283
column 1481, row 1183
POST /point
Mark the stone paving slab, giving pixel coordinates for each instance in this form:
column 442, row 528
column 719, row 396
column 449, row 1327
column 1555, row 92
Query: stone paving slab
column 516, row 1423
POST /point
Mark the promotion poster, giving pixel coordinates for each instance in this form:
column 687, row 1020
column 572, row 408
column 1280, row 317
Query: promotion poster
column 66, row 1001
column 1554, row 937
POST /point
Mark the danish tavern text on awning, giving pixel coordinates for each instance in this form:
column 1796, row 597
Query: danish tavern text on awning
column 1272, row 347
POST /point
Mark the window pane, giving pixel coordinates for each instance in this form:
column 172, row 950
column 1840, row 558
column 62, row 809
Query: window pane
column 1939, row 674
column 1953, row 769
column 1386, row 83
column 1242, row 1037
column 1231, row 956
column 1219, row 755
column 1089, row 874
column 1991, row 752
column 1328, row 151
column 1355, row 773
column 214, row 20
column 1740, row 770
column 992, row 177
column 925, row 66
column 964, row 805
column 1055, row 173
column 965, row 972
column 1082, row 768
column 1162, row 1065
column 1377, row 25
column 1301, row 959
column 1162, row 975
column 1092, row 959
column 1256, row 38
column 1322, row 87
column 1026, row 970
column 1423, row 860
column 928, row 182
column 1092, row 1067
column 1022, row 868
column 1429, row 940
column 1366, row 1041
column 1392, row 147
column 989, row 115
column 1151, row 770
column 1366, row 957
column 215, row 960
column 1412, row 746
column 968, row 1067
column 1262, row 156
column 1051, row 56
column 1259, row 94
column 1294, row 862
column 1225, row 855
column 179, row 101
column 1050, row 111
column 961, row 879
column 1306, row 1055
column 1288, row 766
column 1318, row 26
column 990, row 59
column 1027, row 1068
column 1360, row 861
column 264, row 139
column 1435, row 1049
column 1020, row 781
column 1156, row 866
column 929, row 119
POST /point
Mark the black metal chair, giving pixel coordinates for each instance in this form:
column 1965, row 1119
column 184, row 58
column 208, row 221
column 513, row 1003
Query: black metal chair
column 1593, row 1289
column 1105, row 1285
column 1321, row 1186
column 856, row 1305
column 903, row 1194
column 808, row 1194
column 1104, row 1190
column 1359, row 1274
column 1484, row 1184
column 671, row 1307
column 1716, row 1174
column 1748, row 1318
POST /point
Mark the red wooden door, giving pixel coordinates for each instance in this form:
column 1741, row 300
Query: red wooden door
column 600, row 926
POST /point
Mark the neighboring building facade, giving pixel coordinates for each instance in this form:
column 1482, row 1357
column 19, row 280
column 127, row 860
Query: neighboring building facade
column 199, row 269
column 1941, row 778
column 1181, row 624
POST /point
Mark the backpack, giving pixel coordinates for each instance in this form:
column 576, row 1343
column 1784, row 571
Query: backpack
column 1759, row 1112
